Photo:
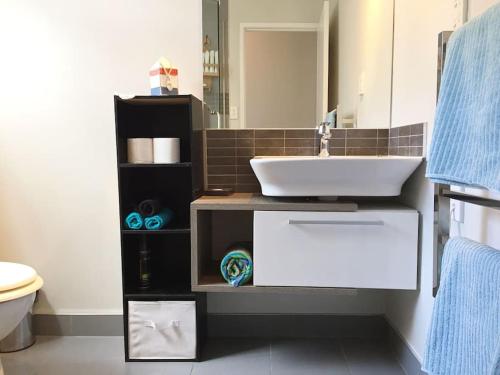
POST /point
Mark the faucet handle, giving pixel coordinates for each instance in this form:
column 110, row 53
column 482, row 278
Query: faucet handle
column 324, row 129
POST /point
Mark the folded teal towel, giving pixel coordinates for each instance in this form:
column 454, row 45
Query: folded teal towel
column 159, row 220
column 237, row 267
column 134, row 220
column 464, row 337
column 465, row 147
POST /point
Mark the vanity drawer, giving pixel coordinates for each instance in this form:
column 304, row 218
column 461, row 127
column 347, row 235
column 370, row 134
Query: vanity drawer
column 363, row 249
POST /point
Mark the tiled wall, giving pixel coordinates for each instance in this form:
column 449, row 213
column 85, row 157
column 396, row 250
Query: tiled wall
column 407, row 140
column 229, row 151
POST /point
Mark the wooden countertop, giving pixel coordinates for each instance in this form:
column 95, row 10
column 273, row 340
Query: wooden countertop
column 256, row 202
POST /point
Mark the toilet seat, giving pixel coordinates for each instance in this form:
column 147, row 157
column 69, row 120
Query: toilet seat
column 15, row 275
column 17, row 280
column 12, row 294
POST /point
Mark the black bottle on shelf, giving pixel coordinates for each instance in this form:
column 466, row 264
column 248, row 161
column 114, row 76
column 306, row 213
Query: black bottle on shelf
column 144, row 267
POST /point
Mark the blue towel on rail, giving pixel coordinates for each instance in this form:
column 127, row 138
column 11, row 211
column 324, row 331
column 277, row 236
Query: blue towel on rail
column 464, row 337
column 465, row 147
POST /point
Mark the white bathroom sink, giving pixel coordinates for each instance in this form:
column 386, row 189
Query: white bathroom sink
column 334, row 176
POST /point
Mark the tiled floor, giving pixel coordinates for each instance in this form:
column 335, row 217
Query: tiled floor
column 104, row 356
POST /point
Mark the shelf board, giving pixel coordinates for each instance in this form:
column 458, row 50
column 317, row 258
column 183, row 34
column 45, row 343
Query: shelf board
column 171, row 165
column 180, row 291
column 159, row 231
column 215, row 283
column 156, row 99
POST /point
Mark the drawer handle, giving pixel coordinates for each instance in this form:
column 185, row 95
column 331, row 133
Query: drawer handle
column 336, row 222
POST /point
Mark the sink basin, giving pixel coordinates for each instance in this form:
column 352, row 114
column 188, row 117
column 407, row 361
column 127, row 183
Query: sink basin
column 333, row 176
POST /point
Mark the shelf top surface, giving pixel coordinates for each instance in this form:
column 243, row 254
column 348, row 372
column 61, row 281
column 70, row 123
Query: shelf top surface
column 156, row 231
column 258, row 202
column 156, row 99
column 156, row 165
column 214, row 283
column 252, row 201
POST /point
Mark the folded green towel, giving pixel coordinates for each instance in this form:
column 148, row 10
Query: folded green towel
column 159, row 220
column 237, row 267
column 134, row 220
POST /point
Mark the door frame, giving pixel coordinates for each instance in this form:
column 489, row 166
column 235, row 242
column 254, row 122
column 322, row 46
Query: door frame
column 264, row 26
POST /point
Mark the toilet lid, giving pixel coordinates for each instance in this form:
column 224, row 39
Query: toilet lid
column 14, row 275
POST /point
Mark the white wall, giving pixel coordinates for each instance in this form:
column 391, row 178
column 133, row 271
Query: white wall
column 417, row 25
column 61, row 63
column 477, row 7
column 365, row 54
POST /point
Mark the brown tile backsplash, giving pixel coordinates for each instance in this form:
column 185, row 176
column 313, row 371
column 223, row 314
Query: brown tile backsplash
column 408, row 140
column 299, row 142
column 361, row 133
column 404, row 131
column 361, row 142
column 269, row 142
column 417, row 129
column 230, row 142
column 244, row 142
column 221, row 133
column 245, row 133
column 229, row 151
column 261, row 133
column 299, row 133
column 269, row 151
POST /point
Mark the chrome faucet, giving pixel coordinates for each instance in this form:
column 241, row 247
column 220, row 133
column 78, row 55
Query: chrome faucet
column 324, row 131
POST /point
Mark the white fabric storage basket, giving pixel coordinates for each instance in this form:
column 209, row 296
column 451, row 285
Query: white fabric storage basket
column 162, row 329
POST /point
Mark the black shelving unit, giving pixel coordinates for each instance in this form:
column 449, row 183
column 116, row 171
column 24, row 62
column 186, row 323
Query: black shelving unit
column 176, row 185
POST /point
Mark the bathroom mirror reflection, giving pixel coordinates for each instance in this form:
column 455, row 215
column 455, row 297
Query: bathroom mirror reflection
column 286, row 63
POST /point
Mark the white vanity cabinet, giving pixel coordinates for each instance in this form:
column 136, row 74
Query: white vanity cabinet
column 369, row 248
column 305, row 246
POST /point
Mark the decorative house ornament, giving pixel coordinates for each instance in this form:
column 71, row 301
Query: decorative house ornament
column 164, row 78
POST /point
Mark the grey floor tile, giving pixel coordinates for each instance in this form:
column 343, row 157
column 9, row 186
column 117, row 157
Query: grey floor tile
column 104, row 356
column 307, row 356
column 370, row 357
column 83, row 356
column 163, row 368
column 238, row 356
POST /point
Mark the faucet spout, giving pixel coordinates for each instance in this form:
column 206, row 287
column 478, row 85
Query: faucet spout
column 324, row 131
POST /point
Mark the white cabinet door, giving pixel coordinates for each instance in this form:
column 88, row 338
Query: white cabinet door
column 364, row 249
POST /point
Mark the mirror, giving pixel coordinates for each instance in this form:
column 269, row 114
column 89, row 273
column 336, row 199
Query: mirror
column 286, row 63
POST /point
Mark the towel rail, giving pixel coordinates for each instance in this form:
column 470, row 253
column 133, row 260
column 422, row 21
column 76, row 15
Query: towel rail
column 474, row 199
column 442, row 220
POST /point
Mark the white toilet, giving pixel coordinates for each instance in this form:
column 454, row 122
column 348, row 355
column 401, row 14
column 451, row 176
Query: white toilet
column 18, row 287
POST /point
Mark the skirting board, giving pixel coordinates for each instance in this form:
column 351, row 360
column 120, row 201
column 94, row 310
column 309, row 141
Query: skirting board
column 228, row 325
column 402, row 352
column 249, row 325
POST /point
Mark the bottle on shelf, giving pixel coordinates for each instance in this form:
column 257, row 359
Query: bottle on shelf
column 144, row 267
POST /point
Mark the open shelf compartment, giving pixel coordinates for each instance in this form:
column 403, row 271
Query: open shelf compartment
column 215, row 232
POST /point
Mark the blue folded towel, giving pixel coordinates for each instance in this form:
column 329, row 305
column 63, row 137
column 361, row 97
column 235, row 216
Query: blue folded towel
column 134, row 220
column 237, row 267
column 159, row 220
column 465, row 147
column 464, row 337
